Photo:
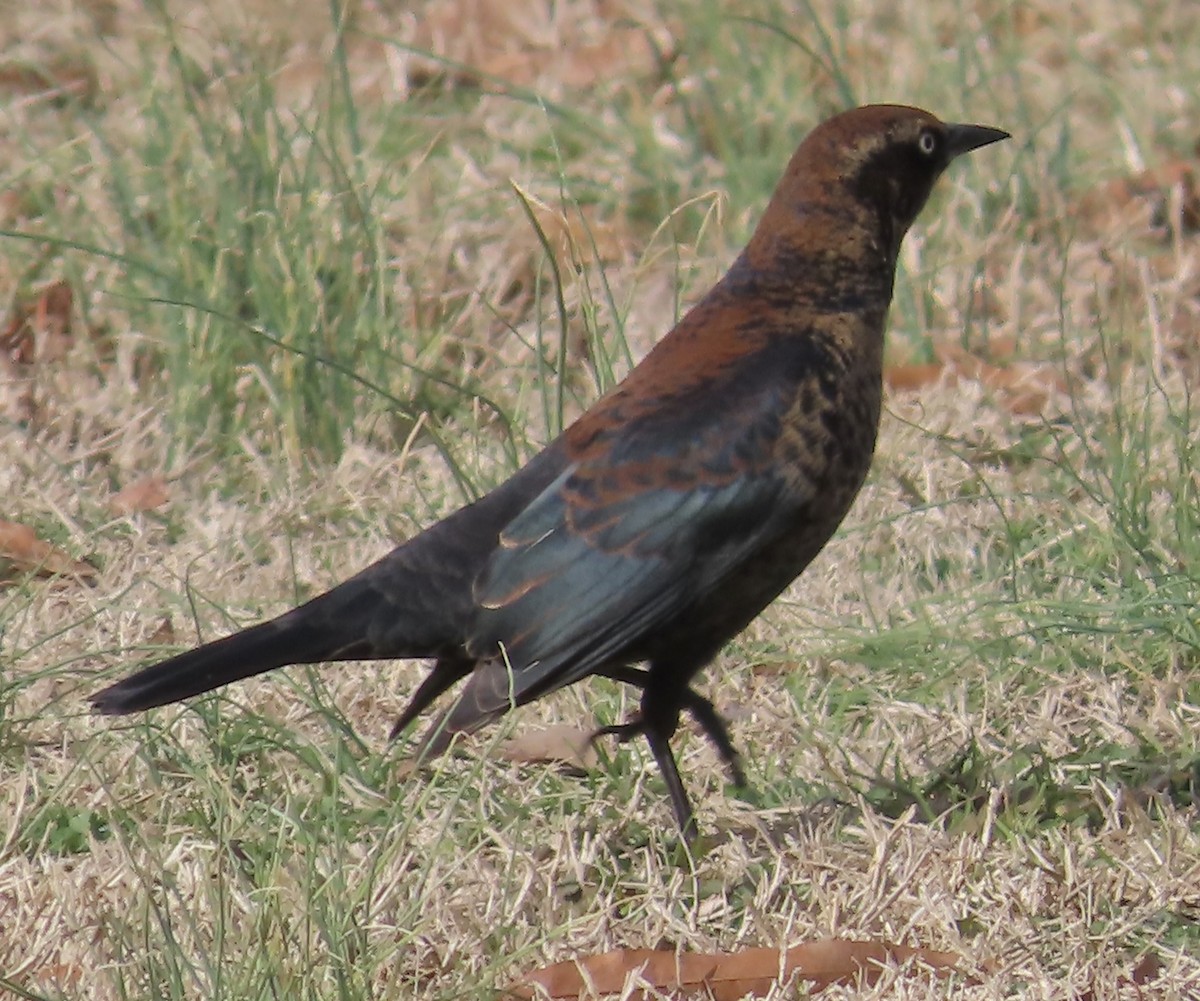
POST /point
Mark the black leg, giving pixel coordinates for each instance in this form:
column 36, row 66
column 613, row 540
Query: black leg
column 445, row 673
column 698, row 707
column 657, row 721
column 622, row 731
column 709, row 720
column 635, row 676
column 660, row 746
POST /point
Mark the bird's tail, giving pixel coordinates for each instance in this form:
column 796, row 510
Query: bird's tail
column 327, row 628
column 242, row 655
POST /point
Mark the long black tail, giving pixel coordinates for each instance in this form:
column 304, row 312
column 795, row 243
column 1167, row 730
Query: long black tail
column 416, row 602
column 242, row 655
column 359, row 619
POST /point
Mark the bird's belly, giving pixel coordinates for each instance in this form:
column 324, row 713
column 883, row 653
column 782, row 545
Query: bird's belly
column 708, row 623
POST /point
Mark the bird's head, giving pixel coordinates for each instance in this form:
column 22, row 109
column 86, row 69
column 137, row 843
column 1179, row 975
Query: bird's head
column 875, row 164
column 892, row 155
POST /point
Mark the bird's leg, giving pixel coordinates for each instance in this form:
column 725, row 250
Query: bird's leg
column 622, row 731
column 660, row 747
column 659, row 720
column 637, row 677
column 710, row 722
column 699, row 708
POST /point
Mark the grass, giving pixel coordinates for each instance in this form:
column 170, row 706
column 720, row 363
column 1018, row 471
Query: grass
column 329, row 286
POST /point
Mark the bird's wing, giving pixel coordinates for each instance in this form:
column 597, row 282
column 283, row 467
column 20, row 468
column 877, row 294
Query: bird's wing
column 571, row 586
column 650, row 516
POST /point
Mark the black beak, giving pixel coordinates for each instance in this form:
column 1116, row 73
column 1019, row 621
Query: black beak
column 964, row 138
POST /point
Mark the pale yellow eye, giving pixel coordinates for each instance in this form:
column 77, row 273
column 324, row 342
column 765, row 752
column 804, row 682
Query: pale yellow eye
column 927, row 143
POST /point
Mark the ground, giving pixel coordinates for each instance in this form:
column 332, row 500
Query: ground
column 279, row 295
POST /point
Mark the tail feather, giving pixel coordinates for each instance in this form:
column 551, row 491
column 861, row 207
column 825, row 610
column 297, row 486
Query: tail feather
column 487, row 696
column 253, row 651
column 342, row 624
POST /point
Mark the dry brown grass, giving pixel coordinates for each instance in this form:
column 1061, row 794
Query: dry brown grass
column 985, row 593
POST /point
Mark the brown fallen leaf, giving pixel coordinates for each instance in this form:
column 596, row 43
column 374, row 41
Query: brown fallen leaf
column 723, row 976
column 471, row 42
column 65, row 80
column 22, row 552
column 558, row 744
column 581, row 234
column 141, row 495
column 164, row 635
column 60, row 976
column 1146, row 970
column 40, row 330
column 1151, row 197
column 911, row 377
column 1023, row 388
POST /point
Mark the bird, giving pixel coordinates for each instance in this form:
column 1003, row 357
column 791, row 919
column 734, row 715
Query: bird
column 660, row 523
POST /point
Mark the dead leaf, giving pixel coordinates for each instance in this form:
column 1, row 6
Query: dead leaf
column 141, row 495
column 1002, row 348
column 1023, row 388
column 13, row 205
column 41, row 330
column 164, row 635
column 723, row 977
column 472, row 42
column 22, row 552
column 579, row 234
column 1155, row 198
column 908, row 378
column 64, row 80
column 626, row 51
column 557, row 744
column 61, row 976
column 1147, row 969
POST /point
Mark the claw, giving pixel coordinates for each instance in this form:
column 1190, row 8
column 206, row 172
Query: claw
column 624, row 732
column 699, row 708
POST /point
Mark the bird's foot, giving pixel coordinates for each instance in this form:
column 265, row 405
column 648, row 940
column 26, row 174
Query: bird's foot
column 699, row 708
column 707, row 719
column 624, row 732
column 661, row 748
column 710, row 721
